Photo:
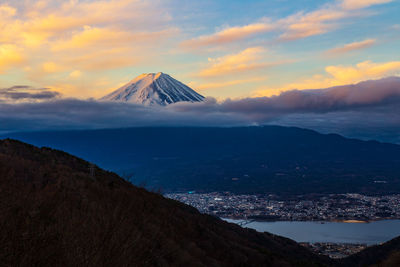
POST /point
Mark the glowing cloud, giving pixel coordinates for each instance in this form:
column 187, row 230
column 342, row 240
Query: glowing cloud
column 51, row 67
column 302, row 25
column 357, row 4
column 228, row 35
column 246, row 60
column 75, row 74
column 10, row 56
column 7, row 11
column 341, row 75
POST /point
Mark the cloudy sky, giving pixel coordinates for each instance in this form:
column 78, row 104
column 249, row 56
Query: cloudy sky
column 224, row 49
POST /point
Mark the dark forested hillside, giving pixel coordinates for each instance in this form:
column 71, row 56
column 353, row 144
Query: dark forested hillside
column 385, row 255
column 59, row 210
column 268, row 159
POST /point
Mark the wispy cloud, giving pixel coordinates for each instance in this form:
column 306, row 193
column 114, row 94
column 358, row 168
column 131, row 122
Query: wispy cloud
column 228, row 35
column 296, row 26
column 351, row 47
column 302, row 25
column 357, row 4
column 324, row 19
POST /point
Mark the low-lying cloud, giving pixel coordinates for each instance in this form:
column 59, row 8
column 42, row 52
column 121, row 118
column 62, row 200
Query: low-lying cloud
column 26, row 93
column 369, row 109
column 340, row 98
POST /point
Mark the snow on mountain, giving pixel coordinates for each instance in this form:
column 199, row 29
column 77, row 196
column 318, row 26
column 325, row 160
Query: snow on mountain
column 154, row 89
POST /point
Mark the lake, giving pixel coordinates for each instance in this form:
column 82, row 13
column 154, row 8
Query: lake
column 336, row 232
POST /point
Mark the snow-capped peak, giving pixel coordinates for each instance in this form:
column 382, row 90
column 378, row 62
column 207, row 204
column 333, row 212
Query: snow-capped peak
column 154, row 89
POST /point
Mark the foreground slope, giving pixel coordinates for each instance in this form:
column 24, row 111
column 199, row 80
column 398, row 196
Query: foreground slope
column 268, row 159
column 385, row 255
column 59, row 210
column 154, row 89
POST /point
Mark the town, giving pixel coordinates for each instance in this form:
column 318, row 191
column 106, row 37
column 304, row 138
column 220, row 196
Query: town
column 332, row 207
column 335, row 250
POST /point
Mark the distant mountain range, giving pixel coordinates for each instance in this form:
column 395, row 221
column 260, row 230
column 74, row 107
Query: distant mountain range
column 154, row 89
column 270, row 159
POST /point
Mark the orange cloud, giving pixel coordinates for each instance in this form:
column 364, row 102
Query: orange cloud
column 51, row 67
column 363, row 71
column 10, row 56
column 43, row 21
column 246, row 60
column 358, row 4
column 317, row 22
column 341, row 75
column 107, row 37
column 40, row 22
column 228, row 35
column 351, row 47
column 75, row 74
column 93, row 36
column 70, row 15
column 7, row 11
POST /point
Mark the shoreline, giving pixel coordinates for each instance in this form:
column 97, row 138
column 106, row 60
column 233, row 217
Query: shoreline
column 316, row 221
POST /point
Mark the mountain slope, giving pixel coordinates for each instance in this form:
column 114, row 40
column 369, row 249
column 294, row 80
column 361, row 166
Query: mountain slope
column 268, row 159
column 154, row 89
column 54, row 211
column 385, row 255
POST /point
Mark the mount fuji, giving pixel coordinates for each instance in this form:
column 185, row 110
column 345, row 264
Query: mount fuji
column 154, row 89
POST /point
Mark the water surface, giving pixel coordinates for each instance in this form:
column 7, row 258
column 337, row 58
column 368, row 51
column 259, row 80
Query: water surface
column 336, row 232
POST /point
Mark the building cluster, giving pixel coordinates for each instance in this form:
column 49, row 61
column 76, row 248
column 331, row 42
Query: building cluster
column 335, row 250
column 332, row 207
